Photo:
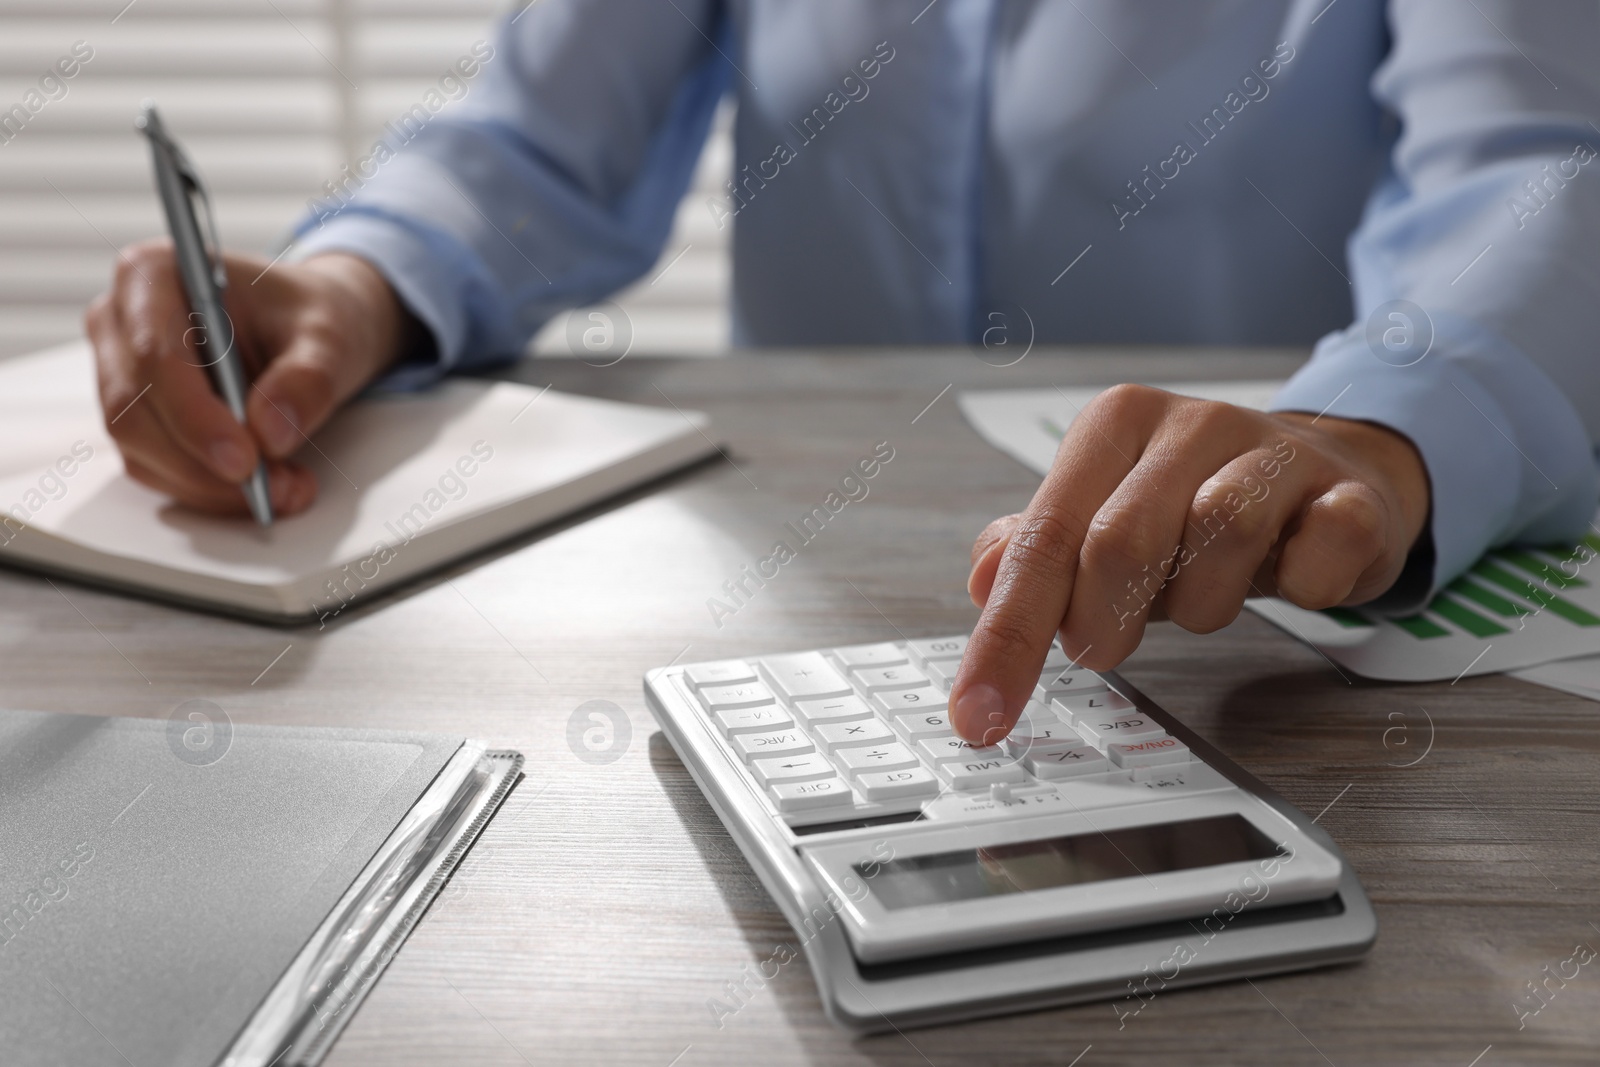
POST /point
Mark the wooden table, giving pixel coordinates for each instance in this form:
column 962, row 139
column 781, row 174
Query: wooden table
column 605, row 906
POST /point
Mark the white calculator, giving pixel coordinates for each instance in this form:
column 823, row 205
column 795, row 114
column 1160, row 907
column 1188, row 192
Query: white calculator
column 1101, row 851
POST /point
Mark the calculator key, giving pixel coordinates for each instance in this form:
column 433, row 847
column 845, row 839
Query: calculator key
column 1092, row 705
column 803, row 675
column 873, row 678
column 982, row 773
column 919, row 725
column 792, row 768
column 836, row 735
column 891, row 756
column 903, row 700
column 942, row 749
column 897, row 785
column 937, row 648
column 748, row 695
column 803, row 796
column 1155, row 752
column 832, row 709
column 752, row 720
column 789, row 742
column 1066, row 762
column 1066, row 682
column 1118, row 728
column 723, row 672
column 880, row 655
column 1039, row 732
column 1056, row 660
column 942, row 672
column 1044, row 712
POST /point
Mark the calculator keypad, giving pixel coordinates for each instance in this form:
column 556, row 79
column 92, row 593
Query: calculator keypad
column 847, row 733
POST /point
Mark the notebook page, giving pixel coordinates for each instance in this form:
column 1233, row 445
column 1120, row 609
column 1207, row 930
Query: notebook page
column 389, row 469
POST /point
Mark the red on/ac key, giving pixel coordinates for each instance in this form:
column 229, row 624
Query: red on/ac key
column 1153, row 752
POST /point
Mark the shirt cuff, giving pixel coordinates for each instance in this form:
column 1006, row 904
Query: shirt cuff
column 1506, row 454
column 425, row 274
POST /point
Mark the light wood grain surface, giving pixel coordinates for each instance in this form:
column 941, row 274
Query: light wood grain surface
column 605, row 906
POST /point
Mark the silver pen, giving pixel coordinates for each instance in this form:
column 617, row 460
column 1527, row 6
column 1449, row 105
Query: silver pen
column 204, row 279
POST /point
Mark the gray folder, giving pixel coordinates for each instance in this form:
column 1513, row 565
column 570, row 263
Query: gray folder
column 190, row 892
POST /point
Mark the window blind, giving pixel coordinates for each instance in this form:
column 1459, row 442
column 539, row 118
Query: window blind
column 272, row 98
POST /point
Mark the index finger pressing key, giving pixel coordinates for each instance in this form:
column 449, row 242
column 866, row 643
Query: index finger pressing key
column 1033, row 584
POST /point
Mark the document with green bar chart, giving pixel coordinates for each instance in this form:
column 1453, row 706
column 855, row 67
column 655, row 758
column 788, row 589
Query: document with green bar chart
column 1515, row 608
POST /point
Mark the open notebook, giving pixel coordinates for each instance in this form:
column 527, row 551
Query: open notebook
column 408, row 482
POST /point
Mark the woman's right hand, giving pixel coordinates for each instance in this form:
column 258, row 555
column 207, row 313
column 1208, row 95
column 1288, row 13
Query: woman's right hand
column 312, row 335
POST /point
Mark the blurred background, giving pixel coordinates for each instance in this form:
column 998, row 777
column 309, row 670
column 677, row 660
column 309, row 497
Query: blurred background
column 271, row 98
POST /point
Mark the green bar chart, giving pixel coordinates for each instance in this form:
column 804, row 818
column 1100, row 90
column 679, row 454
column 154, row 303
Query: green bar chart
column 1498, row 595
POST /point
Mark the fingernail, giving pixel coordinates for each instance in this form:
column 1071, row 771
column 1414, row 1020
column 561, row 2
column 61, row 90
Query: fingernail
column 282, row 491
column 280, row 429
column 982, row 564
column 977, row 708
column 291, row 493
column 230, row 461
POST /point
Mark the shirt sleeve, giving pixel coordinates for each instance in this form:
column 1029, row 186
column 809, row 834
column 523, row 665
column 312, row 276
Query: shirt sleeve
column 1475, row 278
column 551, row 184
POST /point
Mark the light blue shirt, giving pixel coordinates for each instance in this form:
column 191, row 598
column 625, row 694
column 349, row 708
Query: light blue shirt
column 1166, row 171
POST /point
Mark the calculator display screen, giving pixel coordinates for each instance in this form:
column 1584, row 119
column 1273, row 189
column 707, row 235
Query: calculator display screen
column 993, row 870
